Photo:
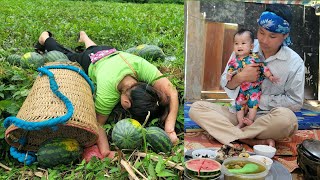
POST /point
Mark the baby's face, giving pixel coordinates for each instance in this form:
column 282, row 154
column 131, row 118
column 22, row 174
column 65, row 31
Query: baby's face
column 242, row 44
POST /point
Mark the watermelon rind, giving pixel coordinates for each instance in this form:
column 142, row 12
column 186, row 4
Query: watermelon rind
column 14, row 59
column 158, row 140
column 148, row 52
column 127, row 134
column 58, row 151
column 133, row 50
column 55, row 56
column 32, row 60
column 203, row 173
column 212, row 177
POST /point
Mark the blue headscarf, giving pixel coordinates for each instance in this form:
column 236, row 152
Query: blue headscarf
column 276, row 24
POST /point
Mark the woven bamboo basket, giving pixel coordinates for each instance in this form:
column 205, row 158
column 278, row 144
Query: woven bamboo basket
column 42, row 104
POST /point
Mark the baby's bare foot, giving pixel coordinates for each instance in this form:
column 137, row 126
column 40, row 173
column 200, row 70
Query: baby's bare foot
column 241, row 125
column 247, row 121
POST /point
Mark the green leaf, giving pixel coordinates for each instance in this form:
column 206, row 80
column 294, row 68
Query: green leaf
column 151, row 171
column 166, row 173
column 160, row 165
column 4, row 104
column 24, row 92
column 90, row 175
column 79, row 168
column 114, row 169
column 138, row 164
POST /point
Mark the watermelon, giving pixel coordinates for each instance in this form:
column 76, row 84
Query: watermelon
column 203, row 168
column 158, row 140
column 127, row 134
column 14, row 59
column 32, row 60
column 149, row 52
column 59, row 151
column 55, row 56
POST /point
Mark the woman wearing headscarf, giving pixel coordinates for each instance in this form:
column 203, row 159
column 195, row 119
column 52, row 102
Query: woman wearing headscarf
column 275, row 118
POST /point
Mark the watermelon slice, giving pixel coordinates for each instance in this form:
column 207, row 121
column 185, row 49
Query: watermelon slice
column 203, row 168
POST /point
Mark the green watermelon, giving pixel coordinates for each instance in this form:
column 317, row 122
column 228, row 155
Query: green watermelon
column 158, row 140
column 14, row 59
column 149, row 52
column 55, row 56
column 58, row 151
column 203, row 168
column 32, row 60
column 127, row 134
column 133, row 50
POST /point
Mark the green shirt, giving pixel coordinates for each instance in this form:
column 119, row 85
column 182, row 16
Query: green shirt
column 110, row 70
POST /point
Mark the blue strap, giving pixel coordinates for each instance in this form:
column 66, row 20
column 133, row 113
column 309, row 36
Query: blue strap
column 24, row 157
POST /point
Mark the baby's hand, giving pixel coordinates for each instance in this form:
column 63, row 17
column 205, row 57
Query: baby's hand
column 229, row 76
column 274, row 79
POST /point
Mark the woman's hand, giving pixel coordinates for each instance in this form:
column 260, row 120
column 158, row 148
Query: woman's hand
column 166, row 87
column 173, row 137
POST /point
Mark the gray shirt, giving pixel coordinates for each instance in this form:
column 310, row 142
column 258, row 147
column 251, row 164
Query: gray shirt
column 289, row 91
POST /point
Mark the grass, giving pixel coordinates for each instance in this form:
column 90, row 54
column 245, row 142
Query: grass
column 121, row 25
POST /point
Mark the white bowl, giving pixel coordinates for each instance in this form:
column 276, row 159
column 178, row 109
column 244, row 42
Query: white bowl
column 204, row 153
column 264, row 150
column 267, row 161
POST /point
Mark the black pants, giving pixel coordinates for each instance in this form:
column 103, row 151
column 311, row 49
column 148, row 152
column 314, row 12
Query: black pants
column 82, row 58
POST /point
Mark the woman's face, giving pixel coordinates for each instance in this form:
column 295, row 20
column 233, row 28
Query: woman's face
column 125, row 100
column 270, row 42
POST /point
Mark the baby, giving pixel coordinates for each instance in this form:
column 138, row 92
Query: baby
column 250, row 92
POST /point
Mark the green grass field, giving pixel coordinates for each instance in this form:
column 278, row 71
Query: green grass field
column 121, row 25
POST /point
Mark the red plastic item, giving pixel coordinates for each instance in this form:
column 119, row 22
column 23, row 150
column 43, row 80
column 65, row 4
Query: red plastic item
column 90, row 152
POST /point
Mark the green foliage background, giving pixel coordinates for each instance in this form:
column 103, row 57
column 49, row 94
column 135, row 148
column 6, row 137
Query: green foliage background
column 141, row 1
column 121, row 25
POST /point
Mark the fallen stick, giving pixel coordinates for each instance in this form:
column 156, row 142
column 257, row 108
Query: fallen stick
column 129, row 170
column 5, row 167
column 155, row 158
column 136, row 170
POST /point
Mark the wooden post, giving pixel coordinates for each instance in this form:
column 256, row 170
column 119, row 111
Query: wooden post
column 194, row 50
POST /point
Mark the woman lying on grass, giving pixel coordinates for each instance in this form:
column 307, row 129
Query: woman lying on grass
column 125, row 78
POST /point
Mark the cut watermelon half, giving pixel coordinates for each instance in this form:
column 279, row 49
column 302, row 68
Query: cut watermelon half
column 203, row 168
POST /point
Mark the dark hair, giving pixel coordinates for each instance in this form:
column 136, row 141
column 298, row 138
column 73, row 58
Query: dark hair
column 145, row 98
column 242, row 31
column 281, row 10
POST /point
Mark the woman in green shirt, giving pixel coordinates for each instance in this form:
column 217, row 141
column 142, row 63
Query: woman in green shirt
column 125, row 78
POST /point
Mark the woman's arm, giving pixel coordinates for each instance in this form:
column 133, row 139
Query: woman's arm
column 102, row 141
column 165, row 86
column 102, row 119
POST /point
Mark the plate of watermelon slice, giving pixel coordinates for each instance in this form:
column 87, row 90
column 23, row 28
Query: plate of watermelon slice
column 202, row 168
column 205, row 168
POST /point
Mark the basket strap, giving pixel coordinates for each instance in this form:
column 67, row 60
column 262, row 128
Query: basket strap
column 125, row 60
column 24, row 157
